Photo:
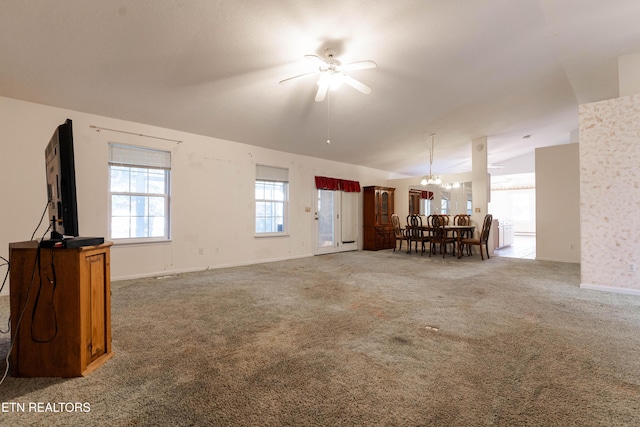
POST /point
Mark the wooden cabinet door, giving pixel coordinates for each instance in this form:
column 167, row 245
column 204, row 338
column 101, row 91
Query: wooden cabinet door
column 385, row 214
column 378, row 206
column 97, row 336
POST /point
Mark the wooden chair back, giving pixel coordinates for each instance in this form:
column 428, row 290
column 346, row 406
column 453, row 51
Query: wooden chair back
column 486, row 228
column 414, row 226
column 438, row 232
column 462, row 219
column 397, row 229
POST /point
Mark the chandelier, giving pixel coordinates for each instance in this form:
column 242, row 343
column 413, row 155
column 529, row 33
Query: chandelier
column 431, row 179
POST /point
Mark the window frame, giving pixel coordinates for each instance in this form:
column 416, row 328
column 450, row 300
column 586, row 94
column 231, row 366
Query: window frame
column 273, row 175
column 150, row 166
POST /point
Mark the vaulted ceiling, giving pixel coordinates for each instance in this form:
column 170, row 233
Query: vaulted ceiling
column 462, row 69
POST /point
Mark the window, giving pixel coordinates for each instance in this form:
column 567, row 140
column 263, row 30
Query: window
column 139, row 193
column 444, row 203
column 426, row 207
column 272, row 194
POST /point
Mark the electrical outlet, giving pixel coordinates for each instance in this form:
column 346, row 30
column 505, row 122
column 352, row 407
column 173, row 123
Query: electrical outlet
column 217, row 250
column 632, row 267
column 201, row 251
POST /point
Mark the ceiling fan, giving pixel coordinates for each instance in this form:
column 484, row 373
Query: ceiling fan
column 333, row 74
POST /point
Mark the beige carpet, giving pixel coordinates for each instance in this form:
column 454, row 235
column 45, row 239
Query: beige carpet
column 357, row 339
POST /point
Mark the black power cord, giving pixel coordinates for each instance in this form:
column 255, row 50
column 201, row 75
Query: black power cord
column 50, row 280
column 6, row 276
column 36, row 265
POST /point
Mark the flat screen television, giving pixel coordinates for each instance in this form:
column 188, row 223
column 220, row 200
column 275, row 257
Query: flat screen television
column 61, row 183
column 61, row 191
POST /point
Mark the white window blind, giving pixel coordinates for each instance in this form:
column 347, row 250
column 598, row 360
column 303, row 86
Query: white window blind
column 126, row 155
column 271, row 173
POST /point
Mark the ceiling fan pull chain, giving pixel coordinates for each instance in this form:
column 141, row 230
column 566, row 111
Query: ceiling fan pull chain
column 328, row 119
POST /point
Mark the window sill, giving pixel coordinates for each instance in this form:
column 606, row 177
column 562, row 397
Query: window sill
column 139, row 242
column 263, row 235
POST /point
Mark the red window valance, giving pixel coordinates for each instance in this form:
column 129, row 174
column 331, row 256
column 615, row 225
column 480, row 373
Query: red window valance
column 335, row 184
column 426, row 195
column 325, row 183
column 349, row 186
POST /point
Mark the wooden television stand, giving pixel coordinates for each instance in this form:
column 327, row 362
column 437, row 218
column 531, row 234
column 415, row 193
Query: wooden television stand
column 63, row 303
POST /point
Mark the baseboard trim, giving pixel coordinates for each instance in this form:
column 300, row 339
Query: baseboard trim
column 569, row 261
column 625, row 291
column 166, row 273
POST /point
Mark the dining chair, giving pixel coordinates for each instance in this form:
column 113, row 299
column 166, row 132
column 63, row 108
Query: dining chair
column 416, row 232
column 483, row 238
column 413, row 231
column 443, row 218
column 440, row 235
column 399, row 232
column 424, row 237
column 464, row 219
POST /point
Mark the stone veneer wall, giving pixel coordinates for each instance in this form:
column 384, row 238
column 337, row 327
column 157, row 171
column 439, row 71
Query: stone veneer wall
column 610, row 194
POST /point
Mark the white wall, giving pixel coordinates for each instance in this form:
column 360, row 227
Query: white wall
column 212, row 191
column 558, row 203
column 628, row 79
column 610, row 194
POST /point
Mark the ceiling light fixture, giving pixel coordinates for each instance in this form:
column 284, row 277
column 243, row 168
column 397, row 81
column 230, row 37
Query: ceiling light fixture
column 431, row 179
column 450, row 185
column 333, row 74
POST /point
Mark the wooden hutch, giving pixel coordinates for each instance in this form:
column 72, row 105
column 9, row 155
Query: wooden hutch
column 378, row 206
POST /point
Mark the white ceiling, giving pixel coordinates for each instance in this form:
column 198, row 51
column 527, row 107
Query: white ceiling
column 462, row 69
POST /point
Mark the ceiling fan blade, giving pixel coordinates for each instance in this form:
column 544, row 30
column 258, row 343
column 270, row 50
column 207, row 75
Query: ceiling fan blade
column 297, row 77
column 357, row 85
column 316, row 60
column 323, row 88
column 361, row 65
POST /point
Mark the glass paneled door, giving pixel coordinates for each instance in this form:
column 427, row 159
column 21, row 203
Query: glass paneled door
column 336, row 221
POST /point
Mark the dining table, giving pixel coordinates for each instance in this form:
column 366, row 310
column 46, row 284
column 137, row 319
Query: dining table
column 457, row 231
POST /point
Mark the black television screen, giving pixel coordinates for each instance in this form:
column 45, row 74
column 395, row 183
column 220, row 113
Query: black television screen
column 61, row 183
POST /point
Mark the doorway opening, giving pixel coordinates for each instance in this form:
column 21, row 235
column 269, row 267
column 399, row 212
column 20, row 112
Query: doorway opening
column 336, row 221
column 513, row 205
